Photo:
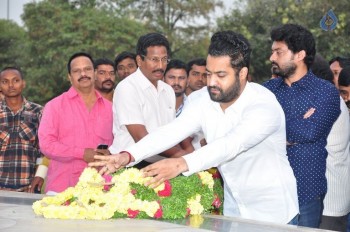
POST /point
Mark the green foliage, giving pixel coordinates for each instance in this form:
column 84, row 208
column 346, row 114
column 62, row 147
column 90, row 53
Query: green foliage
column 178, row 20
column 12, row 44
column 183, row 189
column 119, row 215
column 57, row 30
column 144, row 193
column 257, row 17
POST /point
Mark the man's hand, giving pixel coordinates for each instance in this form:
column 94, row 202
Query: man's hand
column 164, row 170
column 36, row 185
column 310, row 112
column 111, row 163
column 89, row 154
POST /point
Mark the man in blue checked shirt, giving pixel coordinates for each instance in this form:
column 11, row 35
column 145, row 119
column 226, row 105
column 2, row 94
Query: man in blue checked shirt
column 311, row 106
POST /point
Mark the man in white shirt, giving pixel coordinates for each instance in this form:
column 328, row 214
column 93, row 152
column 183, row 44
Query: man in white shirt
column 244, row 126
column 143, row 102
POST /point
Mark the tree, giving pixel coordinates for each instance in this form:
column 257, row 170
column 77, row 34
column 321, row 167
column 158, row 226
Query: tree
column 256, row 18
column 13, row 44
column 57, row 29
column 178, row 20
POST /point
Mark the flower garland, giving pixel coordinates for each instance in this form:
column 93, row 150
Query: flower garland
column 124, row 195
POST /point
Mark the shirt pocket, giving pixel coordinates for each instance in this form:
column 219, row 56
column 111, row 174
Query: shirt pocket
column 103, row 130
column 27, row 132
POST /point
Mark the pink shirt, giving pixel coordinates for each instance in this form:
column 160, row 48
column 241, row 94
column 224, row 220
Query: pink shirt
column 67, row 127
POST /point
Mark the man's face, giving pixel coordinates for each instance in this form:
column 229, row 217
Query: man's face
column 345, row 94
column 104, row 78
column 11, row 83
column 282, row 60
column 197, row 77
column 154, row 63
column 82, row 72
column 223, row 82
column 176, row 78
column 335, row 67
column 126, row 67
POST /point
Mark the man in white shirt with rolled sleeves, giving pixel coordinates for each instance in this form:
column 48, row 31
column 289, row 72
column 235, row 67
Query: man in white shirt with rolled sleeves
column 143, row 102
column 244, row 127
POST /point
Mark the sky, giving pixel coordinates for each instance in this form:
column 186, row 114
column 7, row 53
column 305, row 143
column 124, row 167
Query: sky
column 12, row 9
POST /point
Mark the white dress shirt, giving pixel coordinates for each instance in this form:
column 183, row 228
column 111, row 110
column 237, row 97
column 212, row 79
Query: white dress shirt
column 337, row 199
column 197, row 137
column 247, row 143
column 137, row 101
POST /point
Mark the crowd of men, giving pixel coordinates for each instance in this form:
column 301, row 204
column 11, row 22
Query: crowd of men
column 282, row 148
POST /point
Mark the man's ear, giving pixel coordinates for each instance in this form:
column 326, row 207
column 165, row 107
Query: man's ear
column 69, row 78
column 138, row 60
column 243, row 73
column 301, row 55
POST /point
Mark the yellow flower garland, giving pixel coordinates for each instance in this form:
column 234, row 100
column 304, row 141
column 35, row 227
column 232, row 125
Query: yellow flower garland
column 88, row 200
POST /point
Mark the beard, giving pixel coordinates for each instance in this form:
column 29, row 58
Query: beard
column 285, row 72
column 178, row 90
column 107, row 89
column 226, row 96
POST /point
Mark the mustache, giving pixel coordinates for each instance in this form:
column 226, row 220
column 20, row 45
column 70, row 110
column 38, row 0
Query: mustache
column 82, row 77
column 158, row 70
column 108, row 81
column 178, row 86
column 274, row 63
column 214, row 87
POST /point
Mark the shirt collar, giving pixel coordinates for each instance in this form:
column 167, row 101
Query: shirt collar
column 145, row 83
column 303, row 82
column 25, row 104
column 72, row 93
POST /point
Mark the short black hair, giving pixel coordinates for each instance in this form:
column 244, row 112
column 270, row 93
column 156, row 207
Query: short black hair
column 175, row 64
column 75, row 55
column 150, row 40
column 197, row 61
column 122, row 56
column 343, row 61
column 13, row 68
column 321, row 69
column 101, row 61
column 232, row 44
column 344, row 77
column 297, row 38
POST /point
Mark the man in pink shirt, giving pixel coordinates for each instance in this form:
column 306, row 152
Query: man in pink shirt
column 73, row 125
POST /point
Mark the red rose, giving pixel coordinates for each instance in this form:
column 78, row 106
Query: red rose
column 133, row 213
column 188, row 212
column 108, row 179
column 216, row 203
column 133, row 191
column 159, row 213
column 216, row 175
column 66, row 203
column 166, row 191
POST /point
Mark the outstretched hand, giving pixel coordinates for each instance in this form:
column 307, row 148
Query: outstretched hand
column 164, row 170
column 111, row 163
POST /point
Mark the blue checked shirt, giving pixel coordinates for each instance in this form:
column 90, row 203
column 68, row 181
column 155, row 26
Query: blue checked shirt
column 307, row 138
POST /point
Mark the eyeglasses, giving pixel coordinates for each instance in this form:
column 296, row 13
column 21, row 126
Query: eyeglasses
column 104, row 73
column 155, row 60
column 79, row 71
